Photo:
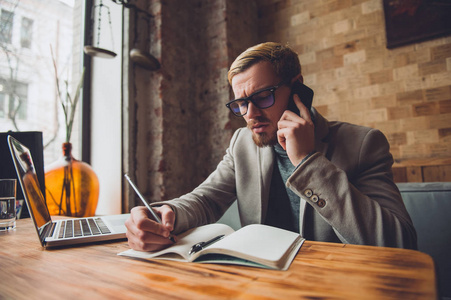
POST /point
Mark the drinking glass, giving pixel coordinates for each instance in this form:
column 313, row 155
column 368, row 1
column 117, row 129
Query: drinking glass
column 7, row 204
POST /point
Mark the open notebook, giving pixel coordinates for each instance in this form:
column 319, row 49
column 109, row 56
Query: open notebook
column 254, row 245
column 61, row 232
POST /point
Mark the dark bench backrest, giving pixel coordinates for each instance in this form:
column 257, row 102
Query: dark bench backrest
column 429, row 206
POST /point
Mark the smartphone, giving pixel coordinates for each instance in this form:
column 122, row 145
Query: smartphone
column 305, row 94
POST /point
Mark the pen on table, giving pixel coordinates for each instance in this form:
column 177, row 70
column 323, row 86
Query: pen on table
column 199, row 246
column 155, row 216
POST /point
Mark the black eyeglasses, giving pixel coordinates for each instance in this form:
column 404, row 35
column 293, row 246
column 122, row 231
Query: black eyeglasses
column 262, row 99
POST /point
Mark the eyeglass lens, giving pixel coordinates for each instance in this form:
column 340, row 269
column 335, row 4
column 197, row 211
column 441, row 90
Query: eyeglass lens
column 264, row 99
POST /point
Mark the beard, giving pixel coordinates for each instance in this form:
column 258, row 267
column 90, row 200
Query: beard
column 264, row 139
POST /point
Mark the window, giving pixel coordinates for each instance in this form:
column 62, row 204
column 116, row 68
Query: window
column 6, row 21
column 26, row 32
column 2, row 104
column 13, row 100
column 30, row 31
column 26, row 62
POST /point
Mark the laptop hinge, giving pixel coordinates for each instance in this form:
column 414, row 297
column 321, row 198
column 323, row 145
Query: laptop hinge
column 46, row 231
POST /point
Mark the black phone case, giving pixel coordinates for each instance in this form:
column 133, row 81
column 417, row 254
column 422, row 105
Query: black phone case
column 305, row 94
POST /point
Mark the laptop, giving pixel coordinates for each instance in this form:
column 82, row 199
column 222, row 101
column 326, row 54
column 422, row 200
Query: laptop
column 61, row 232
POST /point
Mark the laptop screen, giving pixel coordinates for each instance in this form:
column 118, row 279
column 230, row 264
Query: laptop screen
column 30, row 185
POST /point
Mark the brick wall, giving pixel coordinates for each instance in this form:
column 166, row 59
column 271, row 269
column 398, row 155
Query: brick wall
column 405, row 92
column 177, row 127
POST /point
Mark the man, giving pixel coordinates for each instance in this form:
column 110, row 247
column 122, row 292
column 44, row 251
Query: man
column 330, row 181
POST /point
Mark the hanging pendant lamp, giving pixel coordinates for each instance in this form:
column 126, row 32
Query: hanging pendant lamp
column 139, row 56
column 97, row 51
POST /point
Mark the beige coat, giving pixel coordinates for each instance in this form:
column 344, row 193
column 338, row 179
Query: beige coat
column 348, row 182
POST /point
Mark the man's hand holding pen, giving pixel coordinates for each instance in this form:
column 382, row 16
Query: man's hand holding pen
column 145, row 234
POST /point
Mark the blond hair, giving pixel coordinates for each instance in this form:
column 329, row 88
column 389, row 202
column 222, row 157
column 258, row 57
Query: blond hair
column 284, row 60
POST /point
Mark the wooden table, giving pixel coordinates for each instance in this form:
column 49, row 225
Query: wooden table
column 320, row 270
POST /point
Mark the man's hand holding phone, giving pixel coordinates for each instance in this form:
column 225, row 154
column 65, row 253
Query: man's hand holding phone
column 145, row 234
column 296, row 133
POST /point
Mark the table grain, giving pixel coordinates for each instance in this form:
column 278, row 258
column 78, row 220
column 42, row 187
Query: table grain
column 320, row 270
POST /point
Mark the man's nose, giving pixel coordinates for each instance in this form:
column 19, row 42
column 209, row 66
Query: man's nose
column 252, row 111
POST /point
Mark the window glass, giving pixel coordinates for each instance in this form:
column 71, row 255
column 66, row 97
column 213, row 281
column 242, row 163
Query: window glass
column 26, row 32
column 13, row 100
column 6, row 21
column 2, row 104
column 30, row 31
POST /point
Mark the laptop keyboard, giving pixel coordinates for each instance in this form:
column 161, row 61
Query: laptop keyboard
column 82, row 227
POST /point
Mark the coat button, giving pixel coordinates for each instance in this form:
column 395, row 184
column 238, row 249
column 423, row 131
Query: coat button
column 321, row 203
column 308, row 193
column 314, row 198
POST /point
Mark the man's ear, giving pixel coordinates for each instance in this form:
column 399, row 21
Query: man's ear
column 297, row 78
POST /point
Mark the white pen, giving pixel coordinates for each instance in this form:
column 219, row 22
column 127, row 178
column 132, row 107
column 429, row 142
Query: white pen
column 155, row 216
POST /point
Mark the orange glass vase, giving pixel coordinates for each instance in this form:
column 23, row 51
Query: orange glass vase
column 72, row 187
